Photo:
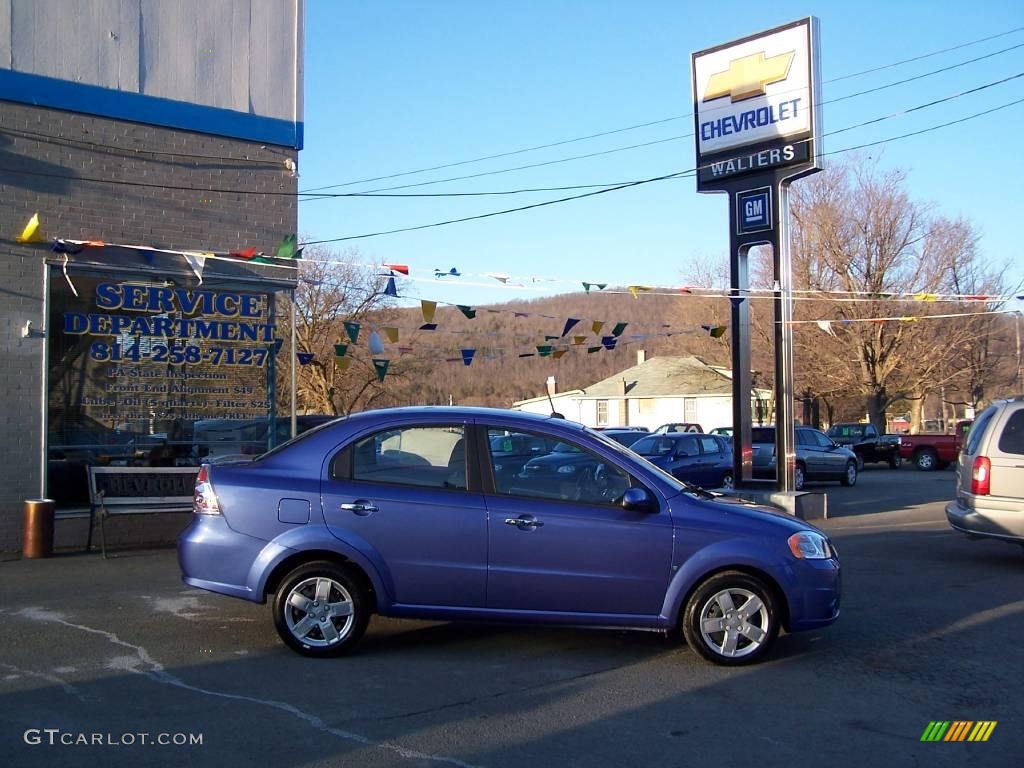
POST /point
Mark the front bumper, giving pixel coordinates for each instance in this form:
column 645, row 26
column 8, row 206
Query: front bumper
column 1002, row 524
column 814, row 595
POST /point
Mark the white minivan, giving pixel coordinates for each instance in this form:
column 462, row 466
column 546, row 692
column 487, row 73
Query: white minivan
column 990, row 476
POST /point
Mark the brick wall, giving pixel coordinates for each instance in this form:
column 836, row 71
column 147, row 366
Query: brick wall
column 53, row 184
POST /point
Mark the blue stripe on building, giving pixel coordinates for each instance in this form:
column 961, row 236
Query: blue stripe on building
column 139, row 108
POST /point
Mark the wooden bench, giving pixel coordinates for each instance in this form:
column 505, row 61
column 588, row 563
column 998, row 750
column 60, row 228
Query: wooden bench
column 137, row 491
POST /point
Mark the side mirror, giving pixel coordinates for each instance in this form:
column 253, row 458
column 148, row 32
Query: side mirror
column 638, row 500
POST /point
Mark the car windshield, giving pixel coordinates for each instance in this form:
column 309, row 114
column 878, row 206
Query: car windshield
column 846, row 430
column 654, row 446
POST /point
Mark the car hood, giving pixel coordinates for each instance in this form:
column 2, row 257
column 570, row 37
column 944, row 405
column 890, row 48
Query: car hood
column 761, row 514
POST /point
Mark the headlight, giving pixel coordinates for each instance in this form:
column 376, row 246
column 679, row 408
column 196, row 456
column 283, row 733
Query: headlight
column 498, row 467
column 808, row 545
column 566, row 469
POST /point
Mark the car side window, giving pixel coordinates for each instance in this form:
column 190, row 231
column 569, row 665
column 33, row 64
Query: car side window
column 802, row 438
column 709, row 445
column 978, row 432
column 823, row 441
column 422, row 456
column 687, row 446
column 1012, row 439
column 569, row 472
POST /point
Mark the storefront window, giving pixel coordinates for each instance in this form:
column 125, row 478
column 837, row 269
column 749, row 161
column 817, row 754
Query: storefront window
column 154, row 373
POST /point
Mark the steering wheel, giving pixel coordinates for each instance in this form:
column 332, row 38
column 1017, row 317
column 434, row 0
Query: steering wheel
column 592, row 484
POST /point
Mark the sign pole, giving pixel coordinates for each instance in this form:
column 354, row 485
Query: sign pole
column 756, row 122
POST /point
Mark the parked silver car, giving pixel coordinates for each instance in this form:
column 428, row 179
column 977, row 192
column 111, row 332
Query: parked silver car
column 990, row 475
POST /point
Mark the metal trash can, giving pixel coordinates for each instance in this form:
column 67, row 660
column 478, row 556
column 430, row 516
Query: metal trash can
column 38, row 541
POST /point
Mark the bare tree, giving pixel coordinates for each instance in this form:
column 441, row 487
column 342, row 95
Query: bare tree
column 334, row 288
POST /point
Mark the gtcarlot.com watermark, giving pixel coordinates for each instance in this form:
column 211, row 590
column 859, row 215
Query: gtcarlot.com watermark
column 54, row 737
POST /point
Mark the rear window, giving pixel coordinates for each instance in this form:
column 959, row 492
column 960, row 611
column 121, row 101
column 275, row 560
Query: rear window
column 762, row 435
column 1012, row 439
column 978, row 430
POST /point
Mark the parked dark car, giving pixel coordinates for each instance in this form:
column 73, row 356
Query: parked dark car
column 869, row 446
column 680, row 426
column 625, row 436
column 399, row 512
column 511, row 451
column 704, row 460
column 818, row 457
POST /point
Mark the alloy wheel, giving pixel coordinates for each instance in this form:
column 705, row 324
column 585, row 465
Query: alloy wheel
column 734, row 623
column 318, row 612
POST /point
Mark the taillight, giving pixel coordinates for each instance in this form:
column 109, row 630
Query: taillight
column 205, row 500
column 981, row 476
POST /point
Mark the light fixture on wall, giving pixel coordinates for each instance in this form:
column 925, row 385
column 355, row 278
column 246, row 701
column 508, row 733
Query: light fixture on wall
column 29, row 332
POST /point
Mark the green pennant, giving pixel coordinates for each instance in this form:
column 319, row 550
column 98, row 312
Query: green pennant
column 467, row 311
column 592, row 350
column 544, row 350
column 352, row 329
column 551, row 338
column 340, row 350
column 381, row 365
column 287, row 248
column 619, row 328
column 599, row 286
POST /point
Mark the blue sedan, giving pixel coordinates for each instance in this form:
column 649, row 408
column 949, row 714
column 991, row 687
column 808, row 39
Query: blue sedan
column 400, row 512
column 704, row 460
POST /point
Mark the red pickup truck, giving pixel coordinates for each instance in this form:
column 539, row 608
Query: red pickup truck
column 930, row 452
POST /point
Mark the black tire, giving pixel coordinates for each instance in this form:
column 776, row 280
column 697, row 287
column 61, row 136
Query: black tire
column 704, row 605
column 308, row 582
column 849, row 477
column 896, row 461
column 926, row 460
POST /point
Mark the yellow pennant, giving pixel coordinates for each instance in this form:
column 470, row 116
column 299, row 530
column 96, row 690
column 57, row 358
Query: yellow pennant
column 32, row 232
column 557, row 353
column 392, row 334
column 343, row 363
column 596, row 327
column 926, row 296
column 578, row 340
column 428, row 307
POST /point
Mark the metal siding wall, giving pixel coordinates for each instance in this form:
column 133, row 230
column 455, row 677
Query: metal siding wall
column 159, row 48
column 5, row 35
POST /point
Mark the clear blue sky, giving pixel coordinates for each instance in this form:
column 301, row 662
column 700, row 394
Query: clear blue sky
column 396, row 86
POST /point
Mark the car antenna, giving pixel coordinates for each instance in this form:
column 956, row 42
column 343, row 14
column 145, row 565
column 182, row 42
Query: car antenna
column 554, row 414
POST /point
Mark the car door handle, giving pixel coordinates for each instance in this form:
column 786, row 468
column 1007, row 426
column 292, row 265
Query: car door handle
column 523, row 523
column 360, row 508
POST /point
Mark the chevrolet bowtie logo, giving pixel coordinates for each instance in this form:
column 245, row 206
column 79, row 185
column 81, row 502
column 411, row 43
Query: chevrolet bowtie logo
column 747, row 77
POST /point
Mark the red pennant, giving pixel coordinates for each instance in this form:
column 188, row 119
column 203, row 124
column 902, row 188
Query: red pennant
column 401, row 268
column 248, row 253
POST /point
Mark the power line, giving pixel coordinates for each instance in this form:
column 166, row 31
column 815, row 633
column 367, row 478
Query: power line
column 690, row 172
column 661, row 121
column 657, row 141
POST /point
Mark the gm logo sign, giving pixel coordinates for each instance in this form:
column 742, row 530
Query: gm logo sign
column 753, row 210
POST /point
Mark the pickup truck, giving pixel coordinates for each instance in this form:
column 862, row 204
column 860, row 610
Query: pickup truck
column 930, row 451
column 865, row 441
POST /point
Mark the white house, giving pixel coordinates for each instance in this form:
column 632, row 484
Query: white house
column 651, row 393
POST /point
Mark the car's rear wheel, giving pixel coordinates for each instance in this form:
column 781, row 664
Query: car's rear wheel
column 799, row 478
column 727, row 481
column 926, row 460
column 731, row 619
column 320, row 609
column 850, row 476
column 896, row 461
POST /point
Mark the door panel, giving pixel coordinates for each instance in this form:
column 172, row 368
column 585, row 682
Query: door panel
column 582, row 558
column 401, row 494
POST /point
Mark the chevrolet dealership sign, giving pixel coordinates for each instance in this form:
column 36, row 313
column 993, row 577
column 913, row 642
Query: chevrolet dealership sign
column 756, row 104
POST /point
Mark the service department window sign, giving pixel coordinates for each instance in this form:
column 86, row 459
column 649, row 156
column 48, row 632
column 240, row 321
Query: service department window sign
column 149, row 373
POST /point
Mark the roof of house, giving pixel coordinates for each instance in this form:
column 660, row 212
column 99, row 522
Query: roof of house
column 665, row 377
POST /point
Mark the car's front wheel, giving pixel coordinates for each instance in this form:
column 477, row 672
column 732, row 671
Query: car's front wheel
column 320, row 610
column 896, row 461
column 731, row 619
column 850, row 476
column 727, row 482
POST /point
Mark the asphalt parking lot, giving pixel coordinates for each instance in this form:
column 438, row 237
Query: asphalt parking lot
column 930, row 630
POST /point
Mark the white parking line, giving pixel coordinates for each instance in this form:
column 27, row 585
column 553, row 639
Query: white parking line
column 159, row 674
